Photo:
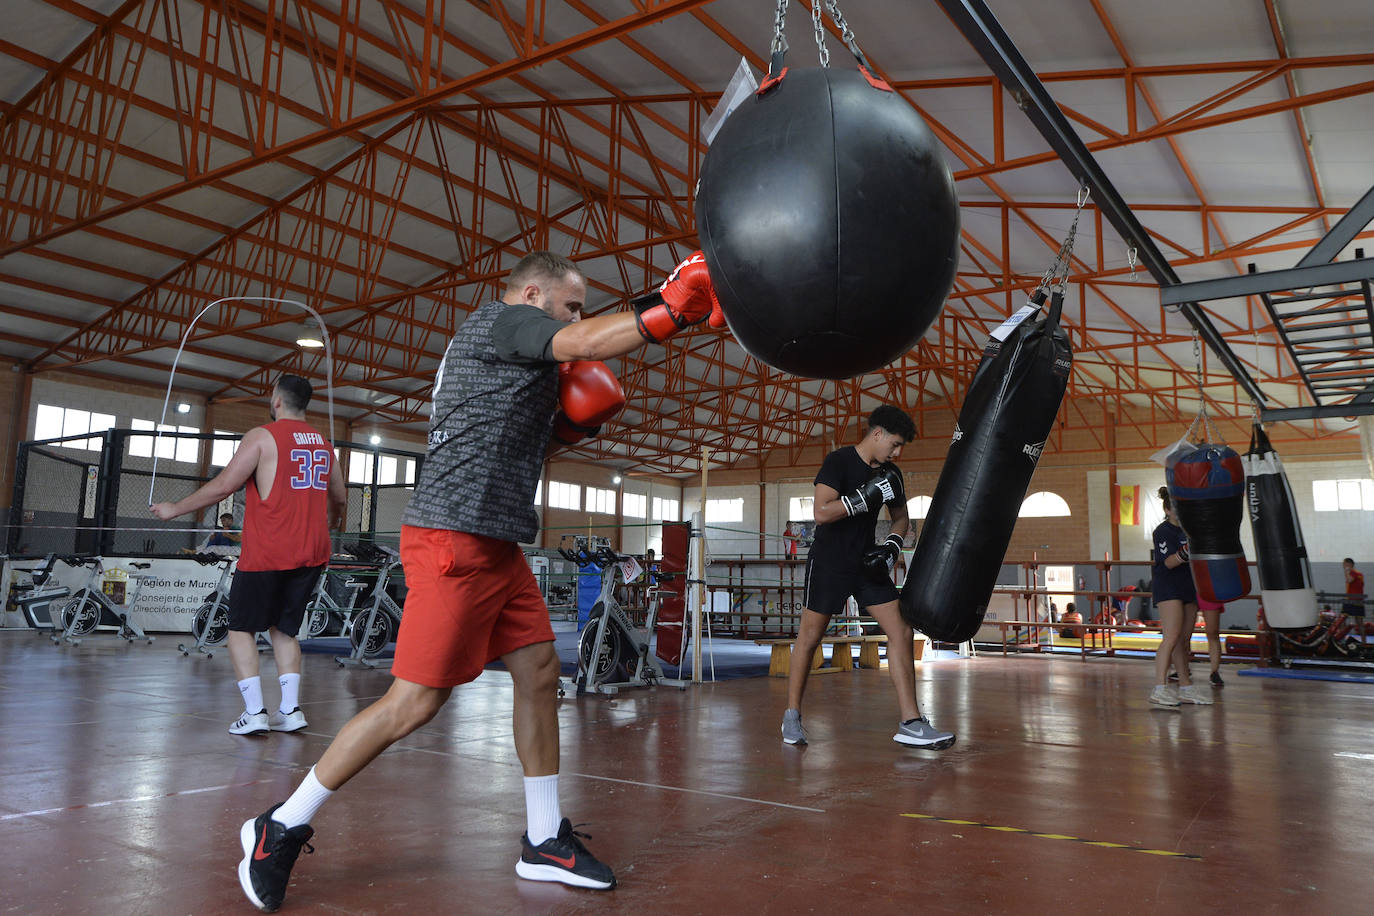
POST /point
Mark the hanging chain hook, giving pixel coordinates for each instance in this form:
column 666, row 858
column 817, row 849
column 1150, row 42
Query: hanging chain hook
column 1201, row 390
column 819, row 26
column 1132, row 260
column 779, row 21
column 1057, row 276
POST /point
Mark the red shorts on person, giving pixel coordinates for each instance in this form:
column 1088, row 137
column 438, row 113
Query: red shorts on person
column 469, row 600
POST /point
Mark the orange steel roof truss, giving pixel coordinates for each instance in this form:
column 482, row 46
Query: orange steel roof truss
column 386, row 162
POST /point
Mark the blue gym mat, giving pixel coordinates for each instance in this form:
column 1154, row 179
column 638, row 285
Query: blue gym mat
column 733, row 658
column 1309, row 674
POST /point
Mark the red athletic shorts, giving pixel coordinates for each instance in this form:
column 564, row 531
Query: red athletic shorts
column 469, row 600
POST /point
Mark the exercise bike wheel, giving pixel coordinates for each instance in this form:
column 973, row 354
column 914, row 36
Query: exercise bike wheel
column 85, row 610
column 610, row 663
column 316, row 620
column 373, row 639
column 211, row 627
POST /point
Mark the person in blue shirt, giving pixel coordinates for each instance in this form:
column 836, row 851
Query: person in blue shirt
column 1175, row 598
column 224, row 536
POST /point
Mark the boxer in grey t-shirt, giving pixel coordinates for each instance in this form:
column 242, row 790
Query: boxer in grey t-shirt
column 470, row 595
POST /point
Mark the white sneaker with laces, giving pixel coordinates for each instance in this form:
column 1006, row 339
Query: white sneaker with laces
column 251, row 723
column 1164, row 695
column 1191, row 694
column 292, row 721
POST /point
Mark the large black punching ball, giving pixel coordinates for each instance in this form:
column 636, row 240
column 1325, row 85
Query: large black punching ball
column 1285, row 575
column 829, row 222
column 1003, row 424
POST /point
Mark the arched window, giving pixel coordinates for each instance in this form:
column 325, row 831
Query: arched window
column 917, row 507
column 1044, row 504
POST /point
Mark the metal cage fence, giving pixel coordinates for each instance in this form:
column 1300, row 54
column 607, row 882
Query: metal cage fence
column 90, row 494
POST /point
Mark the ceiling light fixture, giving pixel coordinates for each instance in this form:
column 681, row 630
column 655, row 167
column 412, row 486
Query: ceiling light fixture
column 308, row 335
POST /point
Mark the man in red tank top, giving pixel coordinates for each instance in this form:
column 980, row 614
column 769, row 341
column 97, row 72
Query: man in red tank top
column 293, row 499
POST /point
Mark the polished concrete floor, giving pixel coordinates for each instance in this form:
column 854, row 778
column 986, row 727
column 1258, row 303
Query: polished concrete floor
column 122, row 792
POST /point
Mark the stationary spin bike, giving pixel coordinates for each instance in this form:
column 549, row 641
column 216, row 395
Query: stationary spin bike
column 90, row 607
column 37, row 597
column 612, row 652
column 211, row 624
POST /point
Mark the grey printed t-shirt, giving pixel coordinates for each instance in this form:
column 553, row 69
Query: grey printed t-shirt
column 490, row 420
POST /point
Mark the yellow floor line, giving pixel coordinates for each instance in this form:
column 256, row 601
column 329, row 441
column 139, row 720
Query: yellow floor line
column 1055, row 836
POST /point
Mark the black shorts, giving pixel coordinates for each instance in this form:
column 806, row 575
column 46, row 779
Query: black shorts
column 271, row 598
column 827, row 588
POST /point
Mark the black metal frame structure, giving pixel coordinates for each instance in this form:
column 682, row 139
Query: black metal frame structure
column 982, row 30
column 1329, row 331
column 1329, row 335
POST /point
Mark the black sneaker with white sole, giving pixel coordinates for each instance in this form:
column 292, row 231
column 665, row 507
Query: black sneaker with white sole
column 270, row 849
column 563, row 858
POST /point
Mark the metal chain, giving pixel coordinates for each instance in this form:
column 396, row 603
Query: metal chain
column 845, row 31
column 1057, row 276
column 779, row 20
column 1201, row 392
column 819, row 26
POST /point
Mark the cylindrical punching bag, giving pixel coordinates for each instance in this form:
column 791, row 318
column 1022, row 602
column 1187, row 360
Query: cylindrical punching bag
column 829, row 222
column 1003, row 424
column 1207, row 486
column 1285, row 576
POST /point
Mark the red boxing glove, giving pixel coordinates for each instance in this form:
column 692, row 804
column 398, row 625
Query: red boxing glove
column 588, row 395
column 717, row 319
column 687, row 298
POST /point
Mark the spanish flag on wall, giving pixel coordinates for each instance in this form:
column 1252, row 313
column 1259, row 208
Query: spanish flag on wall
column 1126, row 505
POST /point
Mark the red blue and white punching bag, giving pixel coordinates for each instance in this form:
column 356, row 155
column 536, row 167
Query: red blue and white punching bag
column 1285, row 576
column 1207, row 486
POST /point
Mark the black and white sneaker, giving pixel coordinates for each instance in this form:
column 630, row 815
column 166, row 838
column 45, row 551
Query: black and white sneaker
column 269, row 851
column 563, row 858
column 251, row 723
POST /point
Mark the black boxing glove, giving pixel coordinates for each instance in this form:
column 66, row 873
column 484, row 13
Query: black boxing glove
column 878, row 562
column 883, row 488
column 1183, row 553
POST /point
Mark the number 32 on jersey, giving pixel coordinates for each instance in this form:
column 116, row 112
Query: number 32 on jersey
column 311, row 468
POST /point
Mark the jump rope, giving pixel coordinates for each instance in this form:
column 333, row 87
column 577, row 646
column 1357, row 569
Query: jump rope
column 166, row 401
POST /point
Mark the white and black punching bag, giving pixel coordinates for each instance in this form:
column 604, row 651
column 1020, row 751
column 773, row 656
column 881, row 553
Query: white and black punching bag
column 1285, row 576
column 1003, row 424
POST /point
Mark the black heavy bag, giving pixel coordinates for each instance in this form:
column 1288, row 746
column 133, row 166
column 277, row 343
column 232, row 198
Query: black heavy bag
column 829, row 222
column 1285, row 575
column 1003, row 424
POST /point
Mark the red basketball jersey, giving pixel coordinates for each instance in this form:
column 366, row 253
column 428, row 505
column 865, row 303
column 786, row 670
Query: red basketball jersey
column 290, row 528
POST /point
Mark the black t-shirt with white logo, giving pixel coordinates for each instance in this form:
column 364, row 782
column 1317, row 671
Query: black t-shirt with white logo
column 840, row 545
